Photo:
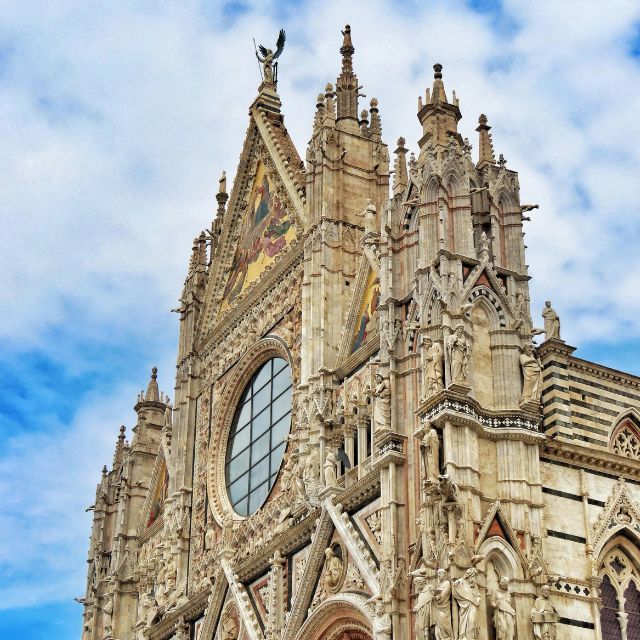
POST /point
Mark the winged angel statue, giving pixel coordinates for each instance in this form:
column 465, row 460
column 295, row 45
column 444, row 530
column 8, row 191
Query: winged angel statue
column 268, row 58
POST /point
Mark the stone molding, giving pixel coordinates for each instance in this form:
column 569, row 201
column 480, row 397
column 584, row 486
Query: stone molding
column 189, row 611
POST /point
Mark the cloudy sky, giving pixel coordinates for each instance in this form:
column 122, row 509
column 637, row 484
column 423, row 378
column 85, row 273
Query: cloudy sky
column 116, row 120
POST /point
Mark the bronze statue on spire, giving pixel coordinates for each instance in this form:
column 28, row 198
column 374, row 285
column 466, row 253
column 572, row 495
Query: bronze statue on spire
column 270, row 68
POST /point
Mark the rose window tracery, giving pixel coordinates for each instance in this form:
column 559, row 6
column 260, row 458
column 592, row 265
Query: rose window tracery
column 626, row 443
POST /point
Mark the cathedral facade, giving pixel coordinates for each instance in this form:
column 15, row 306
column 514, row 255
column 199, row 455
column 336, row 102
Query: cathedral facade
column 369, row 437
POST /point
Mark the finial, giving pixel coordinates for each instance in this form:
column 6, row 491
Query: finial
column 154, row 372
column 438, row 71
column 122, row 430
column 401, row 141
column 223, row 183
column 104, row 470
column 347, row 36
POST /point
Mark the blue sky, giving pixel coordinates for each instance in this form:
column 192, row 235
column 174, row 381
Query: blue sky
column 116, row 120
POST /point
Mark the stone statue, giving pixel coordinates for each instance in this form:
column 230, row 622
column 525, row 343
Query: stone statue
column 288, row 331
column 227, row 530
column 312, row 466
column 532, row 374
column 551, row 322
column 330, row 478
column 107, row 613
column 216, row 396
column 424, row 608
column 268, row 57
column 431, row 445
column 432, row 374
column 544, row 616
column 168, row 413
column 369, row 215
column 459, row 350
column 504, row 617
column 466, row 593
column 223, row 183
column 519, row 311
column 229, row 628
column 297, row 484
column 381, row 623
column 382, row 407
column 442, row 607
column 332, row 571
column 209, row 536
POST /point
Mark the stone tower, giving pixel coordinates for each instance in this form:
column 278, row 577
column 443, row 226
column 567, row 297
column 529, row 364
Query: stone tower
column 366, row 442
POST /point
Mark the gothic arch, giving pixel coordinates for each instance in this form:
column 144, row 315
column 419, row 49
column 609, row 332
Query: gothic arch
column 504, row 558
column 506, row 201
column 431, row 189
column 342, row 613
column 490, row 302
column 625, row 435
column 453, row 180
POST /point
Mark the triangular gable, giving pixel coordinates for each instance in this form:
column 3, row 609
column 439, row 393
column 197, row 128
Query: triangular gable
column 497, row 524
column 361, row 325
column 156, row 494
column 621, row 512
column 267, row 151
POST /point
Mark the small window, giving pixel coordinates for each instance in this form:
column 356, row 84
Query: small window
column 257, row 440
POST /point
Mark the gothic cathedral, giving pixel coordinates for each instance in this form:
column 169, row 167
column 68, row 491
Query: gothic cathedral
column 365, row 442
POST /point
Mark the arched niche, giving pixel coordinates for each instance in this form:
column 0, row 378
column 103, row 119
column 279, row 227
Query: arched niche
column 481, row 355
column 340, row 615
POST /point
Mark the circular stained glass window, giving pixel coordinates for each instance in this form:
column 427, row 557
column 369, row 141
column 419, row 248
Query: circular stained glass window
column 257, row 440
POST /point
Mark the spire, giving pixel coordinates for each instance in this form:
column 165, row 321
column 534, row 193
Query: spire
column 199, row 255
column 117, row 456
column 375, row 130
column 153, row 394
column 486, row 145
column 400, row 179
column 438, row 94
column 347, row 83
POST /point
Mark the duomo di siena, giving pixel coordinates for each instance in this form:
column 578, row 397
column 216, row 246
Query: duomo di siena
column 364, row 441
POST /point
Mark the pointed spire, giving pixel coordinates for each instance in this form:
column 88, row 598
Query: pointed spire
column 375, row 130
column 153, row 394
column 199, row 255
column 117, row 456
column 400, row 178
column 438, row 86
column 347, row 82
column 485, row 144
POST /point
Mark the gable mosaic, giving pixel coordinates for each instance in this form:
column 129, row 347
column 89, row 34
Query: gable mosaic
column 370, row 438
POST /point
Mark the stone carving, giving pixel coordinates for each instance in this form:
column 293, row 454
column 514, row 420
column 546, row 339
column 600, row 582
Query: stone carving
column 228, row 627
column 504, row 616
column 332, row 571
column 433, row 368
column 625, row 443
column 369, row 215
column 330, row 478
column 423, row 608
column 312, row 467
column 227, row 530
column 442, row 607
column 459, row 352
column 268, row 58
column 354, row 579
column 532, row 375
column 551, row 322
column 382, row 406
column 466, row 593
column 381, row 623
column 168, row 413
column 544, row 616
column 431, row 446
column 375, row 524
column 107, row 613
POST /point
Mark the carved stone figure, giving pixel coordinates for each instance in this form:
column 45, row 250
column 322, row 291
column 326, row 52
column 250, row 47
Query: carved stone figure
column 519, row 311
column 312, row 466
column 544, row 616
column 459, row 351
column 381, row 623
column 466, row 593
column 107, row 613
column 288, row 331
column 504, row 616
column 227, row 530
column 330, row 478
column 168, row 412
column 433, row 370
column 268, row 57
column 209, row 536
column 423, row 609
column 551, row 322
column 369, row 215
column 532, row 375
column 442, row 607
column 332, row 571
column 431, row 446
column 229, row 630
column 382, row 406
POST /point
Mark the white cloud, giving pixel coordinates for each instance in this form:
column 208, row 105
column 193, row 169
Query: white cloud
column 116, row 120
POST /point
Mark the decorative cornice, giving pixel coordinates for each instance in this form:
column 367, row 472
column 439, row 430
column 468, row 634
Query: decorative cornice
column 214, row 607
column 604, row 372
column 360, row 492
column 189, row 610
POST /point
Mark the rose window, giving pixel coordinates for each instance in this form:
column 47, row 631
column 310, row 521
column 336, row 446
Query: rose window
column 257, row 440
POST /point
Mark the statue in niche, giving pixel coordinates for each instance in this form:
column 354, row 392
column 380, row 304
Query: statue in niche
column 551, row 322
column 467, row 595
column 168, row 413
column 381, row 623
column 332, row 571
column 433, row 371
column 216, row 396
column 312, row 467
column 227, row 529
column 382, row 407
column 519, row 310
column 330, row 477
column 107, row 613
column 504, row 616
column 544, row 616
column 369, row 215
column 424, row 607
column 288, row 330
column 459, row 351
column 442, row 607
column 532, row 375
column 210, row 535
column 431, row 446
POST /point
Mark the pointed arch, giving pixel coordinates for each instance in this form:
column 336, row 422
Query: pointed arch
column 506, row 201
column 453, row 181
column 486, row 298
column 625, row 434
column 502, row 555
